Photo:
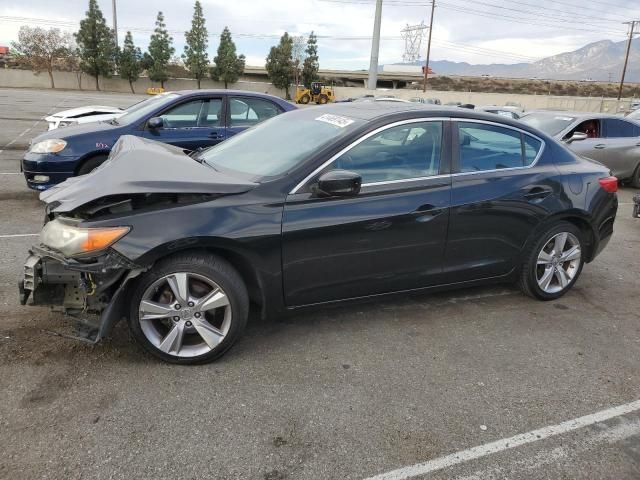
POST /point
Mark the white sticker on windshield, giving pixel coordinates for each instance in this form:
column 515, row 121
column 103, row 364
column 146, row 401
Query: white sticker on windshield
column 336, row 120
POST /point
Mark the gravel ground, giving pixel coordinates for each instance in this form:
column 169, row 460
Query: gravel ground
column 336, row 393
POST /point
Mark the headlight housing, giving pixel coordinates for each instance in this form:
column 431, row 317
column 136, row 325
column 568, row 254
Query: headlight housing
column 71, row 240
column 53, row 145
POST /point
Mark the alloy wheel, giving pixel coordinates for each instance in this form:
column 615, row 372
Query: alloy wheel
column 185, row 314
column 558, row 262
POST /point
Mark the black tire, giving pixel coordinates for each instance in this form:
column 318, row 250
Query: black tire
column 90, row 165
column 305, row 99
column 207, row 265
column 529, row 271
column 634, row 181
column 322, row 99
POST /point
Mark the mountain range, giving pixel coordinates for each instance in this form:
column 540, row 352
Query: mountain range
column 601, row 61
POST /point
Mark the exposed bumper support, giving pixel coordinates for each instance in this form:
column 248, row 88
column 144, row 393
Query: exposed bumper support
column 91, row 292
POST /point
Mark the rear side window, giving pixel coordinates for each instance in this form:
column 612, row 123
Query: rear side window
column 486, row 147
column 248, row 111
column 614, row 128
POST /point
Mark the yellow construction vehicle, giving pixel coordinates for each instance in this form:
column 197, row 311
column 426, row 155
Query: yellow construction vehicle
column 318, row 93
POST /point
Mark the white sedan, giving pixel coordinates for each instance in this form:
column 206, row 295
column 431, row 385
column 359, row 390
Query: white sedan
column 75, row 116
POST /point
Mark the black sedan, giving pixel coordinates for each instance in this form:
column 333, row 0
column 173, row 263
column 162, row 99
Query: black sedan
column 312, row 207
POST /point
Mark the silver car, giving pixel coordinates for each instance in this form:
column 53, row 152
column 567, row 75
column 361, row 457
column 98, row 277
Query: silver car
column 611, row 140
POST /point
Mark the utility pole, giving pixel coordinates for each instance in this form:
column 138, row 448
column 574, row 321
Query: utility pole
column 632, row 32
column 426, row 67
column 115, row 22
column 375, row 48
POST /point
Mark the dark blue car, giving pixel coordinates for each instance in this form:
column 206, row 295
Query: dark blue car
column 189, row 119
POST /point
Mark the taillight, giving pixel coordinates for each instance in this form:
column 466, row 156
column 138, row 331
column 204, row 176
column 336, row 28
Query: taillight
column 609, row 184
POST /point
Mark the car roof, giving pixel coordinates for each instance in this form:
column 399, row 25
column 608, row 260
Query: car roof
column 370, row 111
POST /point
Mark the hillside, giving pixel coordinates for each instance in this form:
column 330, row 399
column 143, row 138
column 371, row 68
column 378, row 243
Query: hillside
column 596, row 61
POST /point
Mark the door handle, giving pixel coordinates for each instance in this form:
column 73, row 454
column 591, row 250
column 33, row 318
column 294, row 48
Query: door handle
column 600, row 146
column 538, row 193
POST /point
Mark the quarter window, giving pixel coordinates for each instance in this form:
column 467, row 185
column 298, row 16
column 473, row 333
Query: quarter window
column 485, row 147
column 247, row 111
column 397, row 153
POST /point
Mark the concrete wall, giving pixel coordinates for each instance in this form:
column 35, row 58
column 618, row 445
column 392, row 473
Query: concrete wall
column 581, row 104
column 69, row 80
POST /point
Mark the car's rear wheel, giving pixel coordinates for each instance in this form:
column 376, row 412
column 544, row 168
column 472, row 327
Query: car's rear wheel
column 188, row 309
column 553, row 263
column 91, row 164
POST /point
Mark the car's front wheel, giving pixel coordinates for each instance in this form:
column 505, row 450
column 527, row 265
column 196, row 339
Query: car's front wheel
column 553, row 263
column 189, row 308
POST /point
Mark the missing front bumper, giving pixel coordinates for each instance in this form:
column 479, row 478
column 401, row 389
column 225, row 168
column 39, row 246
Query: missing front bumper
column 91, row 294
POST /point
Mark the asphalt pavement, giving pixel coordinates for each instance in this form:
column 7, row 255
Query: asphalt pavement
column 453, row 385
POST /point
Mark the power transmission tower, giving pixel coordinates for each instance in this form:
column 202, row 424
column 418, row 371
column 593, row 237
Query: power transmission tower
column 426, row 67
column 412, row 36
column 632, row 32
column 375, row 48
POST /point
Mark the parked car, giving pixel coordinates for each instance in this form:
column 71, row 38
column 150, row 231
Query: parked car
column 92, row 113
column 430, row 101
column 187, row 119
column 75, row 116
column 505, row 112
column 611, row 140
column 310, row 208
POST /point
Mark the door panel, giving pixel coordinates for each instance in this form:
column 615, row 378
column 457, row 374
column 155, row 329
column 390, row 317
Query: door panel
column 493, row 212
column 383, row 240
column 388, row 238
column 191, row 125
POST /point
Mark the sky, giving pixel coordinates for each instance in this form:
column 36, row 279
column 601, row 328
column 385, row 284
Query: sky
column 478, row 32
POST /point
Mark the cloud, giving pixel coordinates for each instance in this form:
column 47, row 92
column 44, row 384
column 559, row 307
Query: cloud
column 463, row 31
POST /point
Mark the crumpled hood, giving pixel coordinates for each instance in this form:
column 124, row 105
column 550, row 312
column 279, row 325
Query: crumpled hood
column 140, row 166
column 96, row 109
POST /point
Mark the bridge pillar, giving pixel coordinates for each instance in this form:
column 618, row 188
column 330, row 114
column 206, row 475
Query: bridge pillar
column 395, row 84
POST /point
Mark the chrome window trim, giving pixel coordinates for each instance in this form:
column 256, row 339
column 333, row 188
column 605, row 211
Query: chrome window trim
column 362, row 139
column 404, row 180
column 543, row 145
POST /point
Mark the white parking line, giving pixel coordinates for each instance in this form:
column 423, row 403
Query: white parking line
column 18, row 235
column 506, row 443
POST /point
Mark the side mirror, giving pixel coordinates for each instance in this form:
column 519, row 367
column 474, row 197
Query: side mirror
column 155, row 122
column 339, row 183
column 577, row 136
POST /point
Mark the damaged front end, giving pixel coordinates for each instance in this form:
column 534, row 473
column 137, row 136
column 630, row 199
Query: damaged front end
column 91, row 290
column 77, row 266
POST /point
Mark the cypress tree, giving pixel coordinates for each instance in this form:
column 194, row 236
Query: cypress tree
column 129, row 61
column 279, row 64
column 96, row 44
column 160, row 51
column 195, row 55
column 228, row 67
column 310, row 66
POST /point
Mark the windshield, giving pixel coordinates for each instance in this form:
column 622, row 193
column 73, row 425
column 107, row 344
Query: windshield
column 140, row 110
column 549, row 124
column 279, row 144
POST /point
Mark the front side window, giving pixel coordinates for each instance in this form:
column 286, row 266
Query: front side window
column 183, row 115
column 403, row 152
column 485, row 147
column 248, row 111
